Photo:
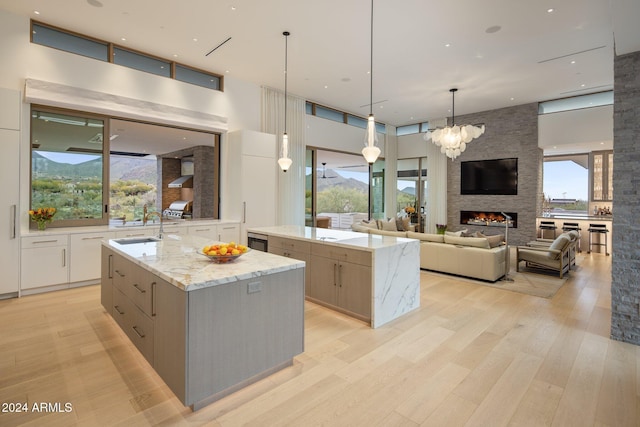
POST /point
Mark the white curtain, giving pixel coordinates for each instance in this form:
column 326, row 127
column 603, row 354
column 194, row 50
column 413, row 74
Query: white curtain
column 291, row 185
column 436, row 182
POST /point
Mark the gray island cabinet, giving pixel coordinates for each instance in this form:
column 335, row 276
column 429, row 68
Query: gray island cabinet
column 207, row 329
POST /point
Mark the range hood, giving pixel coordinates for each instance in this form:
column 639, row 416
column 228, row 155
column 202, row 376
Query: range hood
column 185, row 181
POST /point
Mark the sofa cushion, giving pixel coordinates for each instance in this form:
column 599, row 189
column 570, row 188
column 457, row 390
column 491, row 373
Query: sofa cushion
column 494, row 241
column 559, row 244
column 389, row 225
column 369, row 224
column 356, row 226
column 437, row 238
column 476, row 242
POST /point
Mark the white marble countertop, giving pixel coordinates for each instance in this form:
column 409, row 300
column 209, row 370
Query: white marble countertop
column 51, row 231
column 176, row 260
column 369, row 242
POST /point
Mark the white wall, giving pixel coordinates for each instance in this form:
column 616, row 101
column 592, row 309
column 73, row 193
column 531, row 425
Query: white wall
column 240, row 101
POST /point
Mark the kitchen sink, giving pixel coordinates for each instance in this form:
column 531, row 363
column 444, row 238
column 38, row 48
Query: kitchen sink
column 134, row 240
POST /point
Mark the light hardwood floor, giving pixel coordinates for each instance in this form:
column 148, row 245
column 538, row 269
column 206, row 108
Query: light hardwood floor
column 470, row 356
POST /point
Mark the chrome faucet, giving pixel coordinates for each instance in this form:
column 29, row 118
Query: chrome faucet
column 159, row 215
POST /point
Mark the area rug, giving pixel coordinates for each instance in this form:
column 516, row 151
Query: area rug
column 530, row 281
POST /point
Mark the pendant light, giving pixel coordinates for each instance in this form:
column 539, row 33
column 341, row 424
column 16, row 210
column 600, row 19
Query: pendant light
column 284, row 161
column 370, row 151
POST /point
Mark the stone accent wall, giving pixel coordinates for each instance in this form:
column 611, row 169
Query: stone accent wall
column 625, row 286
column 510, row 132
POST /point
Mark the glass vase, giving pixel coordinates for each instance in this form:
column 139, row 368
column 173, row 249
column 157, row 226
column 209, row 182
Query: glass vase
column 42, row 225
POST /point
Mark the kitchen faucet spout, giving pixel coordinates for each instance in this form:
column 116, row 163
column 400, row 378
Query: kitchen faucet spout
column 159, row 215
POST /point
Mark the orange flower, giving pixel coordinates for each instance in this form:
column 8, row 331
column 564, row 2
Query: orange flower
column 42, row 214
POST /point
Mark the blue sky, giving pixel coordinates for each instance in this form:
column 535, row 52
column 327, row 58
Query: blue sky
column 565, row 180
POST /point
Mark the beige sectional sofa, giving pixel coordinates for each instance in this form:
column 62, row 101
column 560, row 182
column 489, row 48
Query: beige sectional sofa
column 476, row 257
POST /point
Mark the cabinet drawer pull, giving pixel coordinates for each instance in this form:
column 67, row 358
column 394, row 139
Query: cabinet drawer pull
column 340, row 275
column 117, row 308
column 141, row 335
column 64, row 257
column 203, row 229
column 44, row 241
column 93, row 238
column 139, row 289
column 153, row 298
column 334, row 274
column 135, row 235
column 119, row 274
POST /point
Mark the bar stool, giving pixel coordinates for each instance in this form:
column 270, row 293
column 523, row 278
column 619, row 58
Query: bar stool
column 547, row 225
column 600, row 229
column 573, row 226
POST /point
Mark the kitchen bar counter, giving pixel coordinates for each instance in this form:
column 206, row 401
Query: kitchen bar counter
column 176, row 260
column 207, row 329
column 583, row 222
column 371, row 277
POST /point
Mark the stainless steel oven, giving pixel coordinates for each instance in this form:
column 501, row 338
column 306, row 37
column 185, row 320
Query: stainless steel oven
column 259, row 242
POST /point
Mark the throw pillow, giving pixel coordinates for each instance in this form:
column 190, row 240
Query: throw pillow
column 399, row 225
column 370, row 224
column 455, row 233
column 406, row 224
column 389, row 225
column 494, row 241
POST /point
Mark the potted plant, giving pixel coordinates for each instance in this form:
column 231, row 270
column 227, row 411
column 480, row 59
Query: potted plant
column 441, row 228
column 42, row 216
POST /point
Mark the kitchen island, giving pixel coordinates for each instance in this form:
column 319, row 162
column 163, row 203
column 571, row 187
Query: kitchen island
column 370, row 277
column 207, row 329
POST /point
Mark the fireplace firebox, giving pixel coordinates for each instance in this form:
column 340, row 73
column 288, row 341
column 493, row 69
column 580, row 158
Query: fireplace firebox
column 488, row 219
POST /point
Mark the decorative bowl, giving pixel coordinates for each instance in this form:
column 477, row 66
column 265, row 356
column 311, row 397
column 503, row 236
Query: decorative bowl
column 220, row 259
column 213, row 251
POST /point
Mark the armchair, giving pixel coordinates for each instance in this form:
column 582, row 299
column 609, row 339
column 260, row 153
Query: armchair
column 554, row 257
column 573, row 235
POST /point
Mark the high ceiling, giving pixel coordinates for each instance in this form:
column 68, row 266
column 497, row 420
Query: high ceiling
column 497, row 52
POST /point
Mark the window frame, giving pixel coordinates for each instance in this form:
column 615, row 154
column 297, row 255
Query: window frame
column 104, row 219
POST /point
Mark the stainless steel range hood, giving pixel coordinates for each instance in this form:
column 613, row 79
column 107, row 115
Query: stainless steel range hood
column 185, row 181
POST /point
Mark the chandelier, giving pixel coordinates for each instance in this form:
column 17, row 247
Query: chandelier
column 453, row 140
column 371, row 151
column 285, row 161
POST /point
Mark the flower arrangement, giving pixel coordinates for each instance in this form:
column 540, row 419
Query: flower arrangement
column 42, row 216
column 410, row 209
column 441, row 228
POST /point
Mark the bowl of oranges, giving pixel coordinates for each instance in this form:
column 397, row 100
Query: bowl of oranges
column 224, row 252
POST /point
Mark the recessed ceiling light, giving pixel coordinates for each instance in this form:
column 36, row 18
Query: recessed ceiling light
column 233, row 8
column 550, row 10
column 573, row 62
column 123, row 39
column 493, row 29
column 195, row 39
column 582, row 85
column 326, row 87
column 447, row 45
column 94, row 3
column 36, row 12
column 226, row 71
column 512, row 98
column 175, row 55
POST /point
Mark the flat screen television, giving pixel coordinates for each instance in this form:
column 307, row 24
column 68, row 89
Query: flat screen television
column 499, row 176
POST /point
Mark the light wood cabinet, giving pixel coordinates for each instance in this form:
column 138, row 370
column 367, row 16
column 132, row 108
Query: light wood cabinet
column 44, row 261
column 106, row 279
column 341, row 278
column 295, row 249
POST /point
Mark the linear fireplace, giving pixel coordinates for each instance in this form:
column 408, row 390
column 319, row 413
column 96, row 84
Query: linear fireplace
column 488, row 219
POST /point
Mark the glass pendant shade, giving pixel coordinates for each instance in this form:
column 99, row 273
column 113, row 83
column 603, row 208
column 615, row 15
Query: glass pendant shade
column 370, row 151
column 284, row 161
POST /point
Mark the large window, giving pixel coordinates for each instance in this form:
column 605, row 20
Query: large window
column 412, row 189
column 67, row 165
column 566, row 185
column 341, row 186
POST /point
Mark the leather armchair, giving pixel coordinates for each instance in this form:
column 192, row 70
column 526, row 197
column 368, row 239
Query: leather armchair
column 573, row 248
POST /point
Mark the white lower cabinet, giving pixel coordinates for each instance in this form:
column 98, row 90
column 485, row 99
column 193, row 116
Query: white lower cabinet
column 44, row 261
column 206, row 231
column 229, row 233
column 84, row 252
column 136, row 232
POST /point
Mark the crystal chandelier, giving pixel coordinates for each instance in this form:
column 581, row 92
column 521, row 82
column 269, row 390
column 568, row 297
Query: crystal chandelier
column 453, row 140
